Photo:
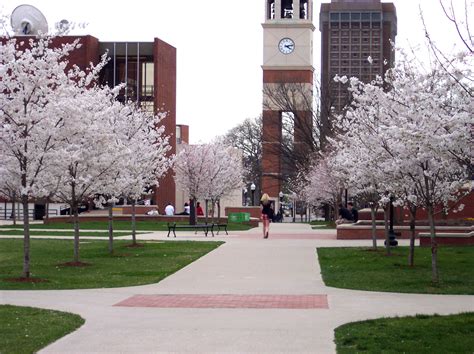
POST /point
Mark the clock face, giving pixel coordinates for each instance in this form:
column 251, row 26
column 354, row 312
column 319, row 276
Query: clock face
column 286, row 46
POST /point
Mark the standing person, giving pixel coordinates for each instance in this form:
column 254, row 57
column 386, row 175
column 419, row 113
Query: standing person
column 169, row 209
column 267, row 213
column 354, row 212
column 199, row 211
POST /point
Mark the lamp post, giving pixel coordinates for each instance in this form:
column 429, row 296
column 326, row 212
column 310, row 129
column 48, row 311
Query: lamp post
column 391, row 234
column 294, row 206
column 252, row 188
column 281, row 206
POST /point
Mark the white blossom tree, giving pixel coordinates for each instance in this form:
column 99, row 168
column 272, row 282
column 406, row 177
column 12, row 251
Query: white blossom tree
column 225, row 171
column 325, row 183
column 143, row 158
column 208, row 171
column 34, row 83
column 422, row 131
column 86, row 160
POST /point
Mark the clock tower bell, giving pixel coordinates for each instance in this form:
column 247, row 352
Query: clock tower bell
column 287, row 60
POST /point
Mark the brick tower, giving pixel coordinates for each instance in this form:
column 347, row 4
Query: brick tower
column 287, row 59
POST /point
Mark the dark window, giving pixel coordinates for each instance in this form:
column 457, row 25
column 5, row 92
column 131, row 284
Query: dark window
column 376, row 16
column 334, row 16
column 345, row 16
column 355, row 16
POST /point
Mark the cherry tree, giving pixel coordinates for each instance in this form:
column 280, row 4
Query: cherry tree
column 225, row 171
column 325, row 183
column 35, row 81
column 421, row 137
column 208, row 171
column 86, row 158
column 191, row 172
column 143, row 159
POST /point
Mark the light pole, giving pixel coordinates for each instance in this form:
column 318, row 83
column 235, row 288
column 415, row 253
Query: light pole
column 391, row 233
column 252, row 188
column 294, row 206
column 281, row 206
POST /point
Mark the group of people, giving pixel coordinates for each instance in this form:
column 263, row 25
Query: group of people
column 169, row 210
column 347, row 215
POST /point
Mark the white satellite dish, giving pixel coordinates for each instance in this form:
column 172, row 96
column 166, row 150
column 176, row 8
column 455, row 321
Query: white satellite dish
column 27, row 20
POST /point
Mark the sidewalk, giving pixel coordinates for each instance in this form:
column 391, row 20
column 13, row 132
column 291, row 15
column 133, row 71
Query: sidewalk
column 284, row 268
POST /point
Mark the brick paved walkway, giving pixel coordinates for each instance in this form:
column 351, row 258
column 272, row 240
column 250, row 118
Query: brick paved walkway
column 228, row 301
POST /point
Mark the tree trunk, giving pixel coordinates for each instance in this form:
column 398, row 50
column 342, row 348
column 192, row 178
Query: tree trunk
column 134, row 222
column 47, row 211
column 218, row 211
column 411, row 255
column 111, row 228
column 192, row 211
column 207, row 210
column 26, row 237
column 434, row 247
column 14, row 208
column 374, row 227
column 75, row 212
column 387, row 238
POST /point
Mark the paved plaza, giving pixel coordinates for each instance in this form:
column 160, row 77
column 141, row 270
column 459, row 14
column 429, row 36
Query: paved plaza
column 249, row 295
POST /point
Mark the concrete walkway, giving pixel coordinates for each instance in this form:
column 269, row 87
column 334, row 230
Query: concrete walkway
column 284, row 264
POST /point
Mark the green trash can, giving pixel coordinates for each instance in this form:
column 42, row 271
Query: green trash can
column 238, row 217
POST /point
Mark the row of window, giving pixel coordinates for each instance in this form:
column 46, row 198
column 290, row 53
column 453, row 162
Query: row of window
column 355, row 40
column 355, row 62
column 355, row 16
column 355, row 33
column 354, row 72
column 355, row 55
column 354, row 25
column 354, row 48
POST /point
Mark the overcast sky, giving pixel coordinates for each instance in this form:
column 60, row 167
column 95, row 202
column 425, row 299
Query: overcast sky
column 219, row 46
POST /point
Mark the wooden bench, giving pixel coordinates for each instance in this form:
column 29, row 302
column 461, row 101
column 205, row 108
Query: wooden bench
column 203, row 227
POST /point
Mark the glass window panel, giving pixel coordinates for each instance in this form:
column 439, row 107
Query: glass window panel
column 334, row 16
column 376, row 16
column 355, row 16
column 345, row 16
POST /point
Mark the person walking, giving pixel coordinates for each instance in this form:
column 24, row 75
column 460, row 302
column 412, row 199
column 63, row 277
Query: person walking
column 267, row 214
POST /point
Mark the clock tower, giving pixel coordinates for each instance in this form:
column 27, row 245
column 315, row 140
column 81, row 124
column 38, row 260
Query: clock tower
column 287, row 60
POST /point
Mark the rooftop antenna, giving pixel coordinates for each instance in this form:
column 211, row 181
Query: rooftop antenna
column 27, row 20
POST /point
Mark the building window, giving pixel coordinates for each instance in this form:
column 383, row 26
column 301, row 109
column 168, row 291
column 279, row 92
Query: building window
column 365, row 16
column 334, row 16
column 376, row 16
column 178, row 135
column 286, row 8
column 271, row 9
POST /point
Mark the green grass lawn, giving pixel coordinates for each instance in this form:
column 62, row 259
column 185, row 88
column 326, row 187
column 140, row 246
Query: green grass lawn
column 127, row 267
column 35, row 232
column 419, row 334
column 27, row 329
column 119, row 225
column 363, row 269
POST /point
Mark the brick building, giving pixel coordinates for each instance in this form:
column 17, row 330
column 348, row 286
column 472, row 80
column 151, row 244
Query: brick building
column 352, row 31
column 149, row 71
